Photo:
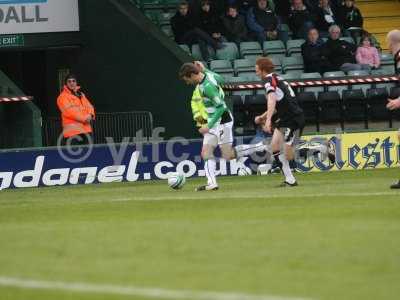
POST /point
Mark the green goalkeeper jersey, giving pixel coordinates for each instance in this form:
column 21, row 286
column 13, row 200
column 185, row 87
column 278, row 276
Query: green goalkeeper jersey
column 213, row 98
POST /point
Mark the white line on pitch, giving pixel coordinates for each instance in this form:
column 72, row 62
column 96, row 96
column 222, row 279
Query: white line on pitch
column 216, row 195
column 133, row 291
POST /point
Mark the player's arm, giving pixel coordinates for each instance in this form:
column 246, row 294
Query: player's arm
column 261, row 118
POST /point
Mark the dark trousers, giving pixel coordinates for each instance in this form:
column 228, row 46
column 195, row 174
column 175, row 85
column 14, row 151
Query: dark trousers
column 203, row 39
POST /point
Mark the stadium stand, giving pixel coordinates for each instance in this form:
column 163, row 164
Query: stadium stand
column 335, row 103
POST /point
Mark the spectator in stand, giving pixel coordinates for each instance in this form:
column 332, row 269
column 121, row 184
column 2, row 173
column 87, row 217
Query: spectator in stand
column 186, row 31
column 282, row 9
column 341, row 54
column 243, row 6
column 300, row 20
column 313, row 54
column 326, row 15
column 367, row 54
column 351, row 19
column 262, row 21
column 77, row 113
column 234, row 25
column 211, row 23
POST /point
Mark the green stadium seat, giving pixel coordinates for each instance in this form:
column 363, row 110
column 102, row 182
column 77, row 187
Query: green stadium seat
column 314, row 75
column 196, row 53
column 358, row 73
column 168, row 31
column 153, row 15
column 314, row 89
column 185, row 48
column 250, row 48
column 248, row 75
column 294, row 46
column 243, row 92
column 292, row 75
column 292, row 63
column 388, row 68
column 337, row 88
column 363, row 87
column 243, row 65
column 222, row 67
column 164, row 18
column 386, row 85
column 274, row 47
column 229, row 52
column 347, row 39
column 218, row 65
column 253, row 77
column 236, row 80
column 380, row 72
column 277, row 64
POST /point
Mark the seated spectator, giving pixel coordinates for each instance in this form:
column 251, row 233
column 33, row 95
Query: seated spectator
column 210, row 22
column 234, row 26
column 326, row 16
column 367, row 54
column 299, row 19
column 186, row 31
column 262, row 22
column 341, row 54
column 282, row 9
column 313, row 54
column 351, row 19
column 243, row 6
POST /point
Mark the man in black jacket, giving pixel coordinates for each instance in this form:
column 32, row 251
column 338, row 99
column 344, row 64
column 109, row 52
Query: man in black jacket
column 351, row 19
column 326, row 15
column 300, row 20
column 234, row 26
column 341, row 54
column 313, row 54
column 186, row 31
column 210, row 22
column 263, row 23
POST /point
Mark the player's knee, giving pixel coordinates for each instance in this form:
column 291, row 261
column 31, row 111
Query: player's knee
column 228, row 156
column 205, row 153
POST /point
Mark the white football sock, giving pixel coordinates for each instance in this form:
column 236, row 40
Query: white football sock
column 287, row 172
column 210, row 166
column 246, row 150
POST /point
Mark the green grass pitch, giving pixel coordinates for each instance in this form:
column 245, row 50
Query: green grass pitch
column 335, row 237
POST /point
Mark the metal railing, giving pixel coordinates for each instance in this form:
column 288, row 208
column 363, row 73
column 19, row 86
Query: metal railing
column 115, row 125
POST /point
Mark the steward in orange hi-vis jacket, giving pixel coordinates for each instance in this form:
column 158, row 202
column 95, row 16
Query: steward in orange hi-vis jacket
column 77, row 112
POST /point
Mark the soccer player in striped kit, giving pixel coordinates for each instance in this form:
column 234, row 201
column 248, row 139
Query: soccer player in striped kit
column 284, row 118
column 218, row 130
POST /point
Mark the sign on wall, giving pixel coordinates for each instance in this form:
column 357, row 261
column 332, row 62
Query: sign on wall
column 38, row 16
column 136, row 162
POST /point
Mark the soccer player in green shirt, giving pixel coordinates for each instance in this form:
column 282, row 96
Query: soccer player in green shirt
column 218, row 130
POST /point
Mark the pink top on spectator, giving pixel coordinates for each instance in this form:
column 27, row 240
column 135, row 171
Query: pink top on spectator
column 368, row 56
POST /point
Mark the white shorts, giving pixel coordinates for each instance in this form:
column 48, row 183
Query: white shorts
column 219, row 135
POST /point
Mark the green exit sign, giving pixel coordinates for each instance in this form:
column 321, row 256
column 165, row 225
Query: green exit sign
column 14, row 40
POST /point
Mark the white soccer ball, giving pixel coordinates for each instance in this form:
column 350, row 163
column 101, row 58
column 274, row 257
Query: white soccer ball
column 244, row 171
column 176, row 180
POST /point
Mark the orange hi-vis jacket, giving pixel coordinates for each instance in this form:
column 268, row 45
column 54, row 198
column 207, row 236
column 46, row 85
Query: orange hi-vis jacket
column 75, row 112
